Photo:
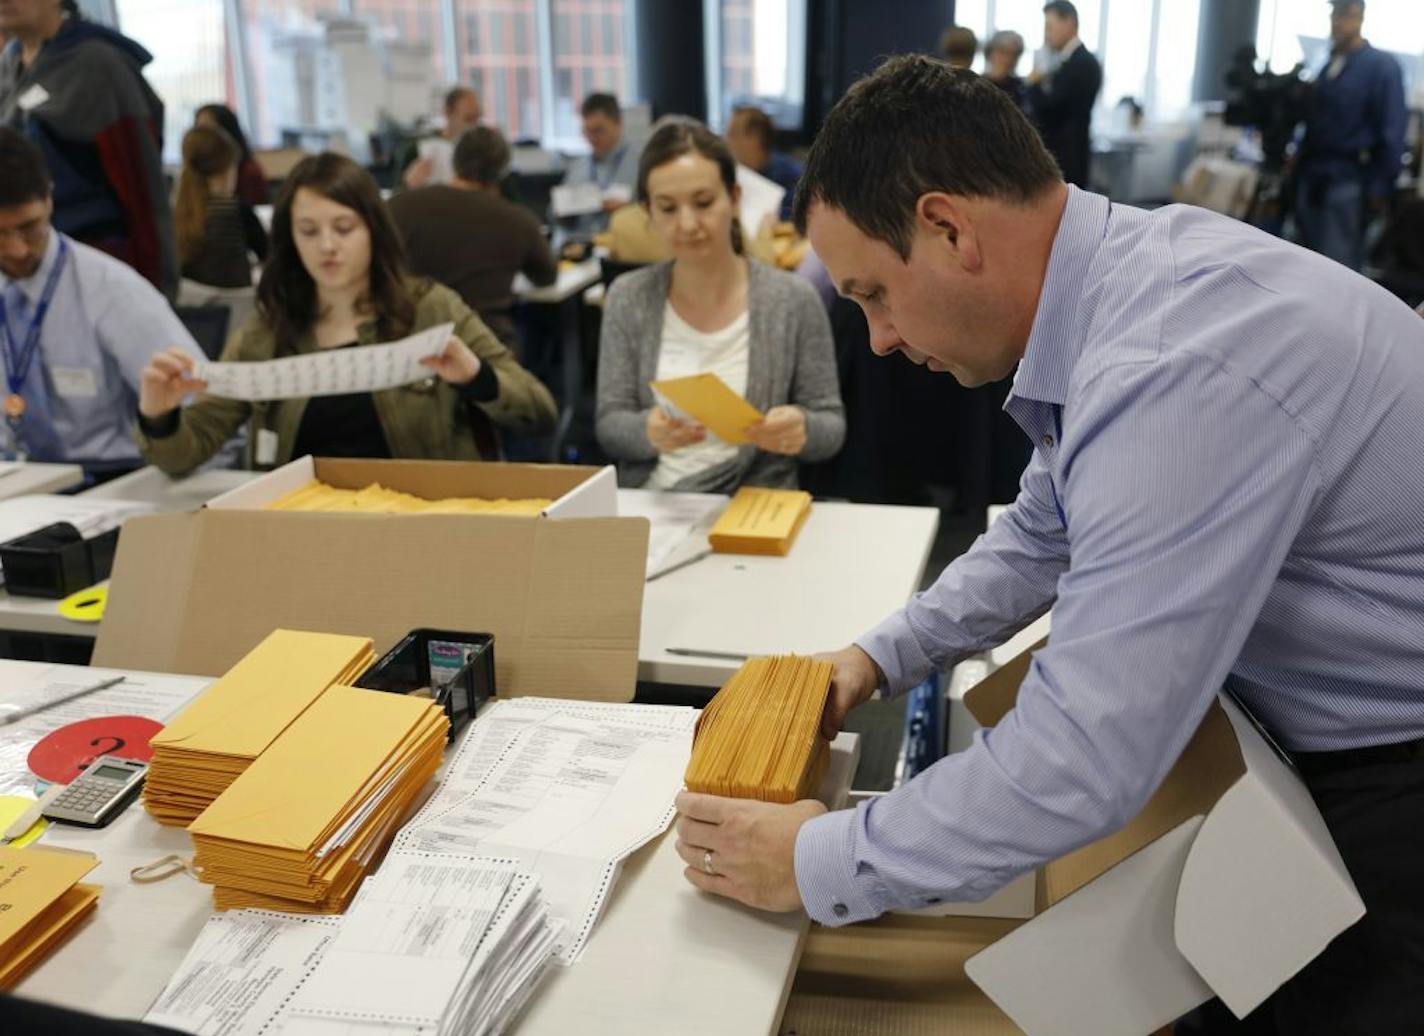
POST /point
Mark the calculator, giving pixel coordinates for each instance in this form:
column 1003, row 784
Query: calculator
column 100, row 793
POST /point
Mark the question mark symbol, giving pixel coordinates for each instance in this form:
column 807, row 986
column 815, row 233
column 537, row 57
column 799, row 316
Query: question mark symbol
column 118, row 743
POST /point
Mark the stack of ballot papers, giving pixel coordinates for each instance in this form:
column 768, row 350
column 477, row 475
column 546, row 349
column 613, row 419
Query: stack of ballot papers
column 760, row 736
column 41, row 903
column 761, row 521
column 567, row 789
column 306, row 821
column 431, row 945
column 211, row 742
column 377, row 499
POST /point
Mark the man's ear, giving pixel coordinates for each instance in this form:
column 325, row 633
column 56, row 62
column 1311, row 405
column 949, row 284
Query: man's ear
column 945, row 216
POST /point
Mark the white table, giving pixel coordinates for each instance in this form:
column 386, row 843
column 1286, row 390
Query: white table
column 39, row 615
column 851, row 566
column 659, row 951
column 152, row 486
column 573, row 280
column 30, row 477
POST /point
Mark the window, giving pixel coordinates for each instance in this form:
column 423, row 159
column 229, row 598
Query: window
column 1147, row 47
column 1291, row 31
column 412, row 21
column 591, row 53
column 189, row 66
column 499, row 42
column 757, row 55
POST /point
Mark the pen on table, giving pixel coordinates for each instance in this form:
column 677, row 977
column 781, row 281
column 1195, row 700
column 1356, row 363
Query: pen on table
column 699, row 653
column 681, row 564
column 26, row 819
column 81, row 692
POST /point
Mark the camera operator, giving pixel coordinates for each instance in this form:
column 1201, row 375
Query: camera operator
column 1354, row 137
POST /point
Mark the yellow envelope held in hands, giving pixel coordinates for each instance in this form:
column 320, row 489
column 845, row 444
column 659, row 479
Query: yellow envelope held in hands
column 706, row 398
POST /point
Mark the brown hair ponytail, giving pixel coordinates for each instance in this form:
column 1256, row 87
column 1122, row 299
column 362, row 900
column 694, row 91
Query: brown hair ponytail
column 207, row 153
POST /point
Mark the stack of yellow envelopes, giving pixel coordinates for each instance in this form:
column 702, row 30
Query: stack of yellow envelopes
column 41, row 902
column 216, row 738
column 759, row 737
column 313, row 813
column 761, row 521
column 377, row 499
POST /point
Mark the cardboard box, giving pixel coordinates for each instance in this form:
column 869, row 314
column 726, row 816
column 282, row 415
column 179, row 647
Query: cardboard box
column 562, row 593
column 1226, row 884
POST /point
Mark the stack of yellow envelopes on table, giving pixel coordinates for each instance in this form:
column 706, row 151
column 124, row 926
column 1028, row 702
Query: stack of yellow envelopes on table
column 313, row 813
column 761, row 521
column 760, row 735
column 41, row 902
column 216, row 737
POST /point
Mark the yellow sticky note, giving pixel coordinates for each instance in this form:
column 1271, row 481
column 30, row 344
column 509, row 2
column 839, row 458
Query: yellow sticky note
column 707, row 398
column 11, row 806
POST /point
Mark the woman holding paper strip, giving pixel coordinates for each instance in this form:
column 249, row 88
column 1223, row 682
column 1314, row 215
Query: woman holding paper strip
column 336, row 278
column 710, row 309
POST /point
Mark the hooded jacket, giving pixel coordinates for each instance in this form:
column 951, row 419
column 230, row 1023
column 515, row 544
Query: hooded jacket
column 84, row 102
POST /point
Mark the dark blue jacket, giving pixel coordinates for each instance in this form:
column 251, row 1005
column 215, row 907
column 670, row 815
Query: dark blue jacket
column 1356, row 122
column 785, row 171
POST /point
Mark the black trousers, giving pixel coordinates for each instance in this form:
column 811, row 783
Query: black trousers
column 1370, row 979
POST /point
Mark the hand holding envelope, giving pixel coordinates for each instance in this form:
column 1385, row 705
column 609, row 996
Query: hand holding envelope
column 707, row 399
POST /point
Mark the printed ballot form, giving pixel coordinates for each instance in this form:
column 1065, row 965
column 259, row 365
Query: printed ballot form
column 328, row 372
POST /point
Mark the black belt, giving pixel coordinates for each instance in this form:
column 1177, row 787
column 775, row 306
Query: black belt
column 1315, row 764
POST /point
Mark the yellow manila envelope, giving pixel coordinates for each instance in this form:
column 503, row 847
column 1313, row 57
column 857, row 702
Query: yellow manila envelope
column 707, row 399
column 41, row 900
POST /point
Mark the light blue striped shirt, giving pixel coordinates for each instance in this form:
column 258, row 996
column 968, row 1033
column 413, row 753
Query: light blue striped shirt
column 104, row 324
column 1231, row 429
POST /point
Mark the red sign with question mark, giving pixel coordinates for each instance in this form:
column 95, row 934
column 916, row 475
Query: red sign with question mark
column 63, row 754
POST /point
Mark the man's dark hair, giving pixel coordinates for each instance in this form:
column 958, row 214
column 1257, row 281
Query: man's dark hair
column 481, row 155
column 453, row 95
column 1062, row 8
column 605, row 103
column 959, row 46
column 23, row 175
column 913, row 126
column 756, row 122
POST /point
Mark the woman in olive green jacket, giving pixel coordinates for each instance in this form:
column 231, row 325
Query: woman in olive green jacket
column 336, row 278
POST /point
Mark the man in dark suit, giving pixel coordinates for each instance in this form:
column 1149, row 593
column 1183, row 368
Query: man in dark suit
column 1061, row 97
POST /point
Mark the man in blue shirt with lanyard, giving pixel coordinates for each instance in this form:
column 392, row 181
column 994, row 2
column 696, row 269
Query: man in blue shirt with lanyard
column 1354, row 138
column 612, row 163
column 1225, row 490
column 76, row 328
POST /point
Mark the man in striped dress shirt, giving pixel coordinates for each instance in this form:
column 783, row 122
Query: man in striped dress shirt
column 1227, row 487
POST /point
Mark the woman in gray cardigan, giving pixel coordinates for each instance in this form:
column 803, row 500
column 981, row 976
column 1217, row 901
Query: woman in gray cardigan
column 763, row 331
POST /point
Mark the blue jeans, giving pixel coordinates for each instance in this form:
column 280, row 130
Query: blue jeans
column 1334, row 225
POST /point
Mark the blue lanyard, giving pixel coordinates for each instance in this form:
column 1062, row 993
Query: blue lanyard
column 19, row 357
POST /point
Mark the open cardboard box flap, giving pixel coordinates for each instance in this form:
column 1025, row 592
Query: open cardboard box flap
column 576, row 491
column 192, row 593
column 1226, row 884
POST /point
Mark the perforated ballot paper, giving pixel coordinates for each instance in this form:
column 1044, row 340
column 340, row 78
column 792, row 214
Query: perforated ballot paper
column 328, row 372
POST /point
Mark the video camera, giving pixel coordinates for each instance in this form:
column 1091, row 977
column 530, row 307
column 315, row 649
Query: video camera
column 1272, row 102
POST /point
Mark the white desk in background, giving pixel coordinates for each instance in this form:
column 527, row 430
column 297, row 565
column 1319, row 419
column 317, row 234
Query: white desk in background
column 152, row 486
column 851, row 566
column 38, row 615
column 26, row 478
column 660, row 950
column 573, row 280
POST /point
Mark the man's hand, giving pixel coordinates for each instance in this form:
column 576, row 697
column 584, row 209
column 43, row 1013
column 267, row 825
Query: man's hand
column 752, row 844
column 854, row 680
